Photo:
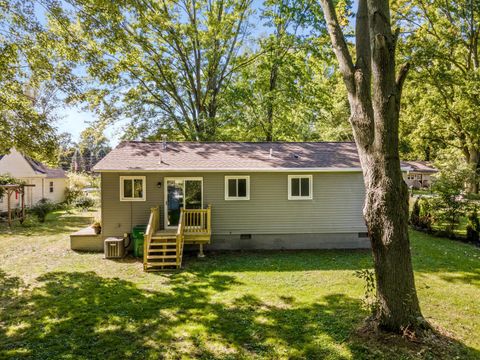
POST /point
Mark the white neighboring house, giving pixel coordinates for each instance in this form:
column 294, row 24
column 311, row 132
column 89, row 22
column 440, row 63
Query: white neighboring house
column 49, row 183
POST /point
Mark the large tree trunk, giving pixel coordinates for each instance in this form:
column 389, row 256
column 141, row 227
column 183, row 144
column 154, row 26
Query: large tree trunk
column 386, row 216
column 374, row 96
column 473, row 161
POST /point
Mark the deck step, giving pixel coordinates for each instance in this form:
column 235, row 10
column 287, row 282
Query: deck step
column 150, row 264
column 161, row 257
column 156, row 250
column 163, row 244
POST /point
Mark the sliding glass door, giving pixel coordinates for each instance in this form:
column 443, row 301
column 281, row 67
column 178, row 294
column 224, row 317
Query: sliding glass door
column 181, row 193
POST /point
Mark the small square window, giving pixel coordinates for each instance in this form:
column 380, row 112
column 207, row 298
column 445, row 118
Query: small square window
column 300, row 187
column 132, row 188
column 237, row 187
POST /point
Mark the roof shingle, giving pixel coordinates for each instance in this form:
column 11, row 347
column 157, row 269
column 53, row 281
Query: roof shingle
column 420, row 166
column 38, row 167
column 210, row 156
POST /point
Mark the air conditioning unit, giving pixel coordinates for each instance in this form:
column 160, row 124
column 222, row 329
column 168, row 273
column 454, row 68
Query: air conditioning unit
column 114, row 248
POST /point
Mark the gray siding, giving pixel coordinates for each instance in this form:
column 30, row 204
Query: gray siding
column 336, row 207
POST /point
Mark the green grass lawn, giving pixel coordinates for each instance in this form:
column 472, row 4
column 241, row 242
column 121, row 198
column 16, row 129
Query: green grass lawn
column 57, row 303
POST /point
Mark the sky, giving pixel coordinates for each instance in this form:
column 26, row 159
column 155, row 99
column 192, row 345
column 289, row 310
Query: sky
column 74, row 120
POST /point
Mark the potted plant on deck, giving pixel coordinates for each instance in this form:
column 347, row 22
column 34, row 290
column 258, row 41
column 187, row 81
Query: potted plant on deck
column 97, row 226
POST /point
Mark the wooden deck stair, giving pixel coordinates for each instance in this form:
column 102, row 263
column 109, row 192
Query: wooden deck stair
column 163, row 253
column 164, row 249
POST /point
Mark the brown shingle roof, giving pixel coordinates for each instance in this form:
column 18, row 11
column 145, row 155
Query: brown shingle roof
column 210, row 156
column 38, row 167
column 420, row 166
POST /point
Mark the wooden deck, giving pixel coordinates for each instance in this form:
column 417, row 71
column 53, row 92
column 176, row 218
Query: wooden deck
column 163, row 249
column 190, row 237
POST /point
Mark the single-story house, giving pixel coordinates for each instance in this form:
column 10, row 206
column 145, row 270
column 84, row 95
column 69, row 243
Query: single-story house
column 277, row 195
column 419, row 173
column 49, row 183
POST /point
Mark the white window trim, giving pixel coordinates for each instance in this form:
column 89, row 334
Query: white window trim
column 310, row 183
column 246, row 177
column 144, row 184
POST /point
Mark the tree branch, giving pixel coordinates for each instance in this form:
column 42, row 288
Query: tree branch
column 401, row 77
column 339, row 44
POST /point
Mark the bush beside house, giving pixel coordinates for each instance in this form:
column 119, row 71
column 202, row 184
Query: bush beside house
column 75, row 193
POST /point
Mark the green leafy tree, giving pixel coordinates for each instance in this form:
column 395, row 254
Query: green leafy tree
column 66, row 150
column 290, row 88
column 93, row 145
column 162, row 64
column 27, row 91
column 449, row 206
column 299, row 99
column 442, row 97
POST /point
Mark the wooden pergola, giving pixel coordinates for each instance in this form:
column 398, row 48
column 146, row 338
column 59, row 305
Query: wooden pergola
column 10, row 189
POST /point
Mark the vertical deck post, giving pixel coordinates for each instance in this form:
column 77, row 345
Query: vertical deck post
column 209, row 219
column 200, row 251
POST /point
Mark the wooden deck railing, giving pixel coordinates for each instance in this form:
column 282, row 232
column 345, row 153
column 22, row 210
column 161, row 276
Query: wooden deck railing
column 153, row 225
column 180, row 237
column 198, row 221
column 194, row 225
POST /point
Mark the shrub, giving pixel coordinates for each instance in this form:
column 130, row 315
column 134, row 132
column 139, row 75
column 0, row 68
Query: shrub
column 422, row 217
column 426, row 214
column 84, row 202
column 473, row 226
column 415, row 215
column 76, row 182
column 448, row 206
column 97, row 225
column 42, row 209
column 370, row 300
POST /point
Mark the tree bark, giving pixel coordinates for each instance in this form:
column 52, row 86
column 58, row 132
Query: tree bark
column 374, row 96
column 270, row 101
column 473, row 160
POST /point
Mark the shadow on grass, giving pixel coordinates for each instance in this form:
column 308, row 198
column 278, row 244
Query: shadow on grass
column 84, row 316
column 59, row 222
column 278, row 260
column 451, row 260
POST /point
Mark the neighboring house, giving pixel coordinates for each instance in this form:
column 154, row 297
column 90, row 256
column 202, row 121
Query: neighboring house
column 262, row 195
column 419, row 174
column 49, row 183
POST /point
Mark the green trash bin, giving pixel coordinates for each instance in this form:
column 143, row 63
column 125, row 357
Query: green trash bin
column 138, row 232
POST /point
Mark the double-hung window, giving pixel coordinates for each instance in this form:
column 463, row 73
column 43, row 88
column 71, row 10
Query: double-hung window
column 300, row 187
column 133, row 188
column 51, row 186
column 237, row 187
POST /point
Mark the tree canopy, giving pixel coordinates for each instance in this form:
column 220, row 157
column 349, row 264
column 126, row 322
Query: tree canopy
column 197, row 70
column 26, row 81
column 442, row 98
